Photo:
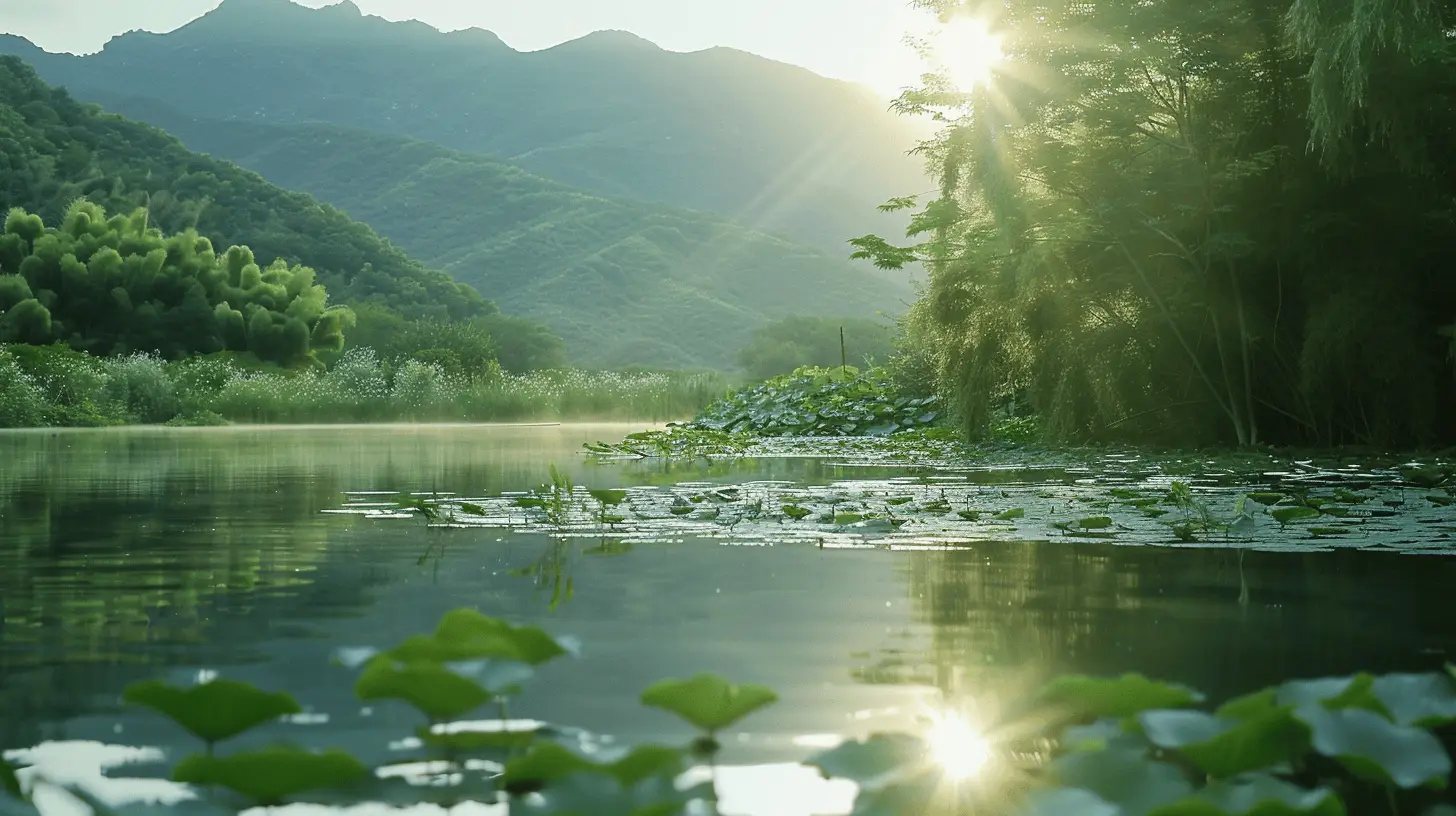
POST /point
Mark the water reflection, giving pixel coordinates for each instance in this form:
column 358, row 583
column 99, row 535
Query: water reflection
column 132, row 554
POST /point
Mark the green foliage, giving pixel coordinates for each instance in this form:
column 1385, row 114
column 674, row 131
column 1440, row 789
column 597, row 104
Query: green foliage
column 8, row 781
column 431, row 688
column 115, row 286
column 1114, row 697
column 1139, row 243
column 55, row 385
column 272, row 775
column 128, row 165
column 791, row 343
column 820, row 402
column 213, row 711
column 707, row 701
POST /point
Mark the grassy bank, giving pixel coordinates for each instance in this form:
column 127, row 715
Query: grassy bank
column 54, row 386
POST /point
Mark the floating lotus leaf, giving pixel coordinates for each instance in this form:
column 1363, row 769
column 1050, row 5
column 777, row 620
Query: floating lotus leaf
column 1374, row 748
column 1122, row 777
column 872, row 761
column 1225, row 747
column 270, row 776
column 610, row 498
column 708, row 701
column 434, row 690
column 1123, row 696
column 1256, row 795
column 212, row 711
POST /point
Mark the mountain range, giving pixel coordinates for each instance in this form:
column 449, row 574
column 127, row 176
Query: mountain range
column 651, row 206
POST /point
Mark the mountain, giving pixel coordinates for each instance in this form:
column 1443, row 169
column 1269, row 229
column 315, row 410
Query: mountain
column 621, row 281
column 54, row 149
column 768, row 144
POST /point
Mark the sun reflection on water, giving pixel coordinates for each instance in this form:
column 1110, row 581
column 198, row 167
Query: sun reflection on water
column 960, row 750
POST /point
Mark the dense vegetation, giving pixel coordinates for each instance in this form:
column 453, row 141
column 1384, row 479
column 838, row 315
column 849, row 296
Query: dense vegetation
column 797, row 341
column 57, row 386
column 1077, row 745
column 54, row 149
column 840, row 401
column 623, row 282
column 763, row 142
column 114, row 286
column 1226, row 221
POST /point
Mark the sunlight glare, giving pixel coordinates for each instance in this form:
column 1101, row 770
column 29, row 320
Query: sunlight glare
column 957, row 747
column 967, row 52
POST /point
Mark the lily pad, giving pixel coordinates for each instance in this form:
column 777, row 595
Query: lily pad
column 1373, row 748
column 1067, row 802
column 1123, row 777
column 1286, row 515
column 1225, row 747
column 270, row 776
column 1097, row 697
column 1257, row 795
column 795, row 512
column 1013, row 513
column 434, row 690
column 609, row 498
column 708, row 701
column 872, row 761
column 544, row 763
column 212, row 711
column 464, row 634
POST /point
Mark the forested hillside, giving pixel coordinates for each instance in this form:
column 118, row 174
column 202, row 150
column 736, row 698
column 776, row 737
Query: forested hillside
column 622, row 281
column 768, row 144
column 1229, row 221
column 54, row 149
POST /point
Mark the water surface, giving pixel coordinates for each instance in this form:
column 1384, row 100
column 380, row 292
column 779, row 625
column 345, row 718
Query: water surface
column 140, row 553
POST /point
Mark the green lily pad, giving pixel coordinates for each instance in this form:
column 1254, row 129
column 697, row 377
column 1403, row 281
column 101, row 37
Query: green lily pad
column 1268, row 499
column 464, row 634
column 708, row 701
column 270, row 776
column 1422, row 700
column 1256, row 795
column 1285, row 515
column 1013, row 513
column 970, row 515
column 1067, row 802
column 610, row 498
column 898, row 500
column 1225, row 747
column 872, row 761
column 1123, row 777
column 848, row 518
column 544, row 763
column 212, row 711
column 1374, row 748
column 795, row 512
column 472, row 509
column 1124, row 696
column 680, row 509
column 434, row 690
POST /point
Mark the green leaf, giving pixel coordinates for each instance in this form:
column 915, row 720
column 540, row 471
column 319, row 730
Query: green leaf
column 1422, row 700
column 271, row 775
column 212, row 711
column 1095, row 523
column 900, row 798
column 1374, row 748
column 434, row 690
column 472, row 509
column 1067, row 802
column 708, row 701
column 1256, row 795
column 872, row 761
column 1225, row 747
column 1285, row 515
column 1097, row 697
column 645, row 762
column 795, row 512
column 1013, row 513
column 1267, row 499
column 464, row 634
column 8, row 781
column 1122, row 777
column 610, row 498
column 544, row 763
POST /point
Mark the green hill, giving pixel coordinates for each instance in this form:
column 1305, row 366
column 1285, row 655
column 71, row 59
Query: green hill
column 621, row 281
column 771, row 145
column 54, row 149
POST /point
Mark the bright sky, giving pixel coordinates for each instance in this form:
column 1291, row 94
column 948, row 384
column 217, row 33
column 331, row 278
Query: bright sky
column 856, row 40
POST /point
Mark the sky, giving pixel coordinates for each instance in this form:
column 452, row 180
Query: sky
column 856, row 40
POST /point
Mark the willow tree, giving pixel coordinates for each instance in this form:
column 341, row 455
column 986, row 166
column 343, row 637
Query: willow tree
column 1132, row 231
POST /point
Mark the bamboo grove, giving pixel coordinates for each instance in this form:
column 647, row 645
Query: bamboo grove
column 1231, row 221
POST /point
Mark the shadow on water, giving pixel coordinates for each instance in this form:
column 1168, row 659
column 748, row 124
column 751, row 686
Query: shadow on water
column 149, row 553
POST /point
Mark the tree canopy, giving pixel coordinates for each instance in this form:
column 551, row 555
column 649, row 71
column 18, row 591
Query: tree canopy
column 54, row 149
column 1223, row 221
column 116, row 285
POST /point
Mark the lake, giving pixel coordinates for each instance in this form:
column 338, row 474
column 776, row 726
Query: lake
column 252, row 553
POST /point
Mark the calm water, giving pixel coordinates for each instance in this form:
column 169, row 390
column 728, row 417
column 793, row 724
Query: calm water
column 161, row 553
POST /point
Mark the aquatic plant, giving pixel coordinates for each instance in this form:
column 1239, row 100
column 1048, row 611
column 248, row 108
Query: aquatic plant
column 840, row 401
column 1078, row 746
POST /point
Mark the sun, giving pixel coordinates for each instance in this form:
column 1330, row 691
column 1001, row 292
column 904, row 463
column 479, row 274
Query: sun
column 956, row 747
column 967, row 52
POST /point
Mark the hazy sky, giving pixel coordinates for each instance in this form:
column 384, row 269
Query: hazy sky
column 858, row 40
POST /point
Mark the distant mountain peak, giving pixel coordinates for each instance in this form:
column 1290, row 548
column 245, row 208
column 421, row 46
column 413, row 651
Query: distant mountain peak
column 611, row 38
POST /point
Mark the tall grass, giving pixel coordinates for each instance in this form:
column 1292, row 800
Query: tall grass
column 56, row 386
